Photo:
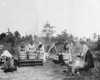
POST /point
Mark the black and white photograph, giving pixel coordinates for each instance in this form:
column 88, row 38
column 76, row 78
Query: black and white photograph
column 49, row 39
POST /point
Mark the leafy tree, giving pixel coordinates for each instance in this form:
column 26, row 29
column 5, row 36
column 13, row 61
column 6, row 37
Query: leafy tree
column 53, row 39
column 63, row 37
column 95, row 37
column 60, row 39
column 35, row 38
column 9, row 33
column 98, row 42
column 17, row 37
column 22, row 39
column 10, row 37
column 2, row 36
column 65, row 34
column 88, row 39
column 17, row 34
column 27, row 38
column 48, row 31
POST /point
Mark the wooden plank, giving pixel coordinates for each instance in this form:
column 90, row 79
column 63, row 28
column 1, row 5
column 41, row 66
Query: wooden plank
column 31, row 62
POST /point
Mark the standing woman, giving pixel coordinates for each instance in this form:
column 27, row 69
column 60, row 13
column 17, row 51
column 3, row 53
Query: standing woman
column 87, row 58
column 67, row 48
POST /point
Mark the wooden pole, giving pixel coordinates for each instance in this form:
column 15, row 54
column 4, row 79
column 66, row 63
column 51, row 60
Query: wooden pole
column 51, row 48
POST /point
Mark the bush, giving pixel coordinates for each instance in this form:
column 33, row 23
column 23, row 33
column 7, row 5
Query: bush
column 97, row 55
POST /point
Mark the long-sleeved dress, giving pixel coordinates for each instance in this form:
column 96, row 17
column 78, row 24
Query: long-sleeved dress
column 88, row 58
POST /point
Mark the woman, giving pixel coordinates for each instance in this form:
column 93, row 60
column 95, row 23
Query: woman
column 22, row 51
column 41, row 53
column 87, row 58
column 9, row 64
column 67, row 55
column 85, row 63
column 31, row 49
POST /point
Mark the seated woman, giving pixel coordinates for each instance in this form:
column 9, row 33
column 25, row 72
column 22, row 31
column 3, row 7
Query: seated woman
column 31, row 47
column 9, row 63
column 22, row 51
column 83, row 64
column 41, row 53
column 59, row 59
column 31, row 50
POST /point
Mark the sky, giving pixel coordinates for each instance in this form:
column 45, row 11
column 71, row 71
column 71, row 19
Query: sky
column 79, row 17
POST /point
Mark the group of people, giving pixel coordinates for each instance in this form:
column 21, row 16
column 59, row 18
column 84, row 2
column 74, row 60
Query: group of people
column 65, row 57
column 80, row 62
column 83, row 61
column 10, row 64
column 32, row 49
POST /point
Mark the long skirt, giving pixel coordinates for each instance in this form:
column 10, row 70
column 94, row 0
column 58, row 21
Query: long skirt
column 61, row 60
column 89, row 62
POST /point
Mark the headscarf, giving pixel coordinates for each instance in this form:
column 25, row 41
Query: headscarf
column 6, row 53
column 65, row 45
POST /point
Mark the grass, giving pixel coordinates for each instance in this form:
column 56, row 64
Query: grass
column 93, row 75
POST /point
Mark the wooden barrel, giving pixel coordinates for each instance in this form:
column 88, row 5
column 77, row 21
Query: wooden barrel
column 1, row 49
column 22, row 55
column 66, row 56
column 32, row 56
column 41, row 56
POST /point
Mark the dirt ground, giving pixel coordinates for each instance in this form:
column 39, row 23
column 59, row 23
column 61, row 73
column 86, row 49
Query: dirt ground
column 49, row 71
